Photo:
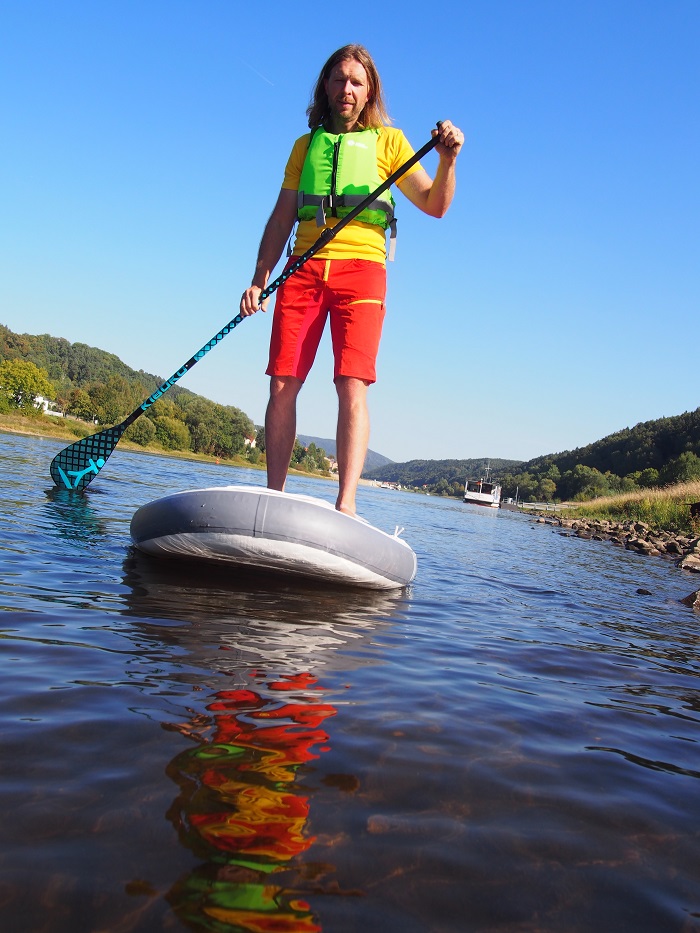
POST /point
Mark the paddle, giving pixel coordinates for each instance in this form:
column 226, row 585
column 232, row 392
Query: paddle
column 78, row 464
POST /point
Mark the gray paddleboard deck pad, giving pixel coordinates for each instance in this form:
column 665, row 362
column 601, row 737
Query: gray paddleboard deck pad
column 273, row 531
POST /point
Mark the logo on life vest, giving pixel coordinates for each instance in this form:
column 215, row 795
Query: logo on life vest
column 351, row 142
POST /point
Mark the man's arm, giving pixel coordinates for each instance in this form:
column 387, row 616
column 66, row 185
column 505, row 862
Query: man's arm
column 277, row 231
column 434, row 197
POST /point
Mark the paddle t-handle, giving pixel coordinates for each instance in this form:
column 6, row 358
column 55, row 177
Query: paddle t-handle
column 77, row 465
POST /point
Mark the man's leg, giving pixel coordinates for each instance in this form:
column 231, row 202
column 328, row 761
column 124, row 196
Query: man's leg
column 352, row 438
column 280, row 428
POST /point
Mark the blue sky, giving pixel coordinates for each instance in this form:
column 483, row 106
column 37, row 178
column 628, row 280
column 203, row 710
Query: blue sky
column 143, row 145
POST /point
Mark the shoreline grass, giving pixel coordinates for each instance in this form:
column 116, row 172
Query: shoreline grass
column 57, row 429
column 666, row 509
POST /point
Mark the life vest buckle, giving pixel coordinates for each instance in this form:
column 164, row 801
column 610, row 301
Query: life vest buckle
column 321, row 212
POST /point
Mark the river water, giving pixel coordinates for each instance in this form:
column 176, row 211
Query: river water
column 512, row 744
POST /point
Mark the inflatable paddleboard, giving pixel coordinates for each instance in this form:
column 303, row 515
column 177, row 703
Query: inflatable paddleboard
column 266, row 530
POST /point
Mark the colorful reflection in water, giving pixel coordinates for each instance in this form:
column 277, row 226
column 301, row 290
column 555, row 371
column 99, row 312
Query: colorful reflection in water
column 241, row 809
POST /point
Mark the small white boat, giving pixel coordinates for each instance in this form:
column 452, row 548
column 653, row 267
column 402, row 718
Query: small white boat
column 482, row 492
column 266, row 530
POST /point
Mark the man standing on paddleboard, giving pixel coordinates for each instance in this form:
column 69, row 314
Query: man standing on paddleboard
column 349, row 152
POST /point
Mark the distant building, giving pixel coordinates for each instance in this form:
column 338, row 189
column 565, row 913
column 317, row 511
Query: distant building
column 47, row 406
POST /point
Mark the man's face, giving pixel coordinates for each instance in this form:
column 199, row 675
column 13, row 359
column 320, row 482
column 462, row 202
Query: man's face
column 347, row 88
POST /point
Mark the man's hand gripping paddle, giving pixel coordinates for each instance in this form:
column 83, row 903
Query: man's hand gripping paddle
column 77, row 465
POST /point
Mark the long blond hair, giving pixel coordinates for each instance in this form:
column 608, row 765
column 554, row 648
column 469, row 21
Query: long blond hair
column 374, row 113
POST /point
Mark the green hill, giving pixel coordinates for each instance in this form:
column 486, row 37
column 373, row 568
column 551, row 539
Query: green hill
column 648, row 445
column 97, row 387
column 73, row 365
column 431, row 472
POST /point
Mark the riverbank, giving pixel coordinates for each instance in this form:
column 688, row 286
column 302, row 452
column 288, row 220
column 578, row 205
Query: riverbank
column 634, row 536
column 58, row 429
column 672, row 509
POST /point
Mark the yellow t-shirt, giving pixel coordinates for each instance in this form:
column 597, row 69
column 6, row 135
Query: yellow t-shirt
column 357, row 240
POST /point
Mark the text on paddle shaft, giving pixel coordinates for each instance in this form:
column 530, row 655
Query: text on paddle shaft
column 163, row 389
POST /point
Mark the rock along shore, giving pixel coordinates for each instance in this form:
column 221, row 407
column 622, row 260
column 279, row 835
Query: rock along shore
column 639, row 537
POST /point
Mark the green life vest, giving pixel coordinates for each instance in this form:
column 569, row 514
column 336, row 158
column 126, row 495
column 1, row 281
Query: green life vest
column 338, row 173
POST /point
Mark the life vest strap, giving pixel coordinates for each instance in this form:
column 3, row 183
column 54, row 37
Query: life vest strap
column 291, row 238
column 327, row 202
column 330, row 203
column 392, row 240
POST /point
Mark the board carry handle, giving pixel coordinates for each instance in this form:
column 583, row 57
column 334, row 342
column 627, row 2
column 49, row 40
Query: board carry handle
column 77, row 465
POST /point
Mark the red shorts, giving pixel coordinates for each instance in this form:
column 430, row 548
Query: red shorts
column 352, row 292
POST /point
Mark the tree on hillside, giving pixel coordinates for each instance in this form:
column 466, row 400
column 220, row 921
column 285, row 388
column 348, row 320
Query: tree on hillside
column 142, row 431
column 172, row 433
column 620, row 484
column 317, row 455
column 524, row 485
column 217, row 430
column 80, row 405
column 546, row 490
column 112, row 400
column 21, row 382
column 14, row 346
column 683, row 469
column 648, row 478
column 165, row 407
column 298, row 453
column 583, row 483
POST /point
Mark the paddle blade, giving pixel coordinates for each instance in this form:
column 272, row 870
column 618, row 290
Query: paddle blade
column 76, row 466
